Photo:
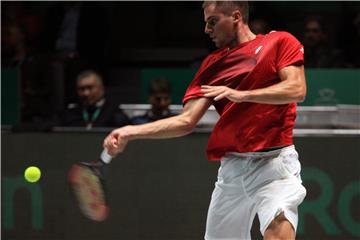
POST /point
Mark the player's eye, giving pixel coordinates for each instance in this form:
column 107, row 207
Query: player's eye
column 212, row 22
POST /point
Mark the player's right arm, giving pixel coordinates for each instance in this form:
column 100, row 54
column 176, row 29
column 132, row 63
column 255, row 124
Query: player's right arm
column 171, row 127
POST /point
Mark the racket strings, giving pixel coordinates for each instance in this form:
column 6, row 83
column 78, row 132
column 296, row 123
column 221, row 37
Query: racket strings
column 88, row 188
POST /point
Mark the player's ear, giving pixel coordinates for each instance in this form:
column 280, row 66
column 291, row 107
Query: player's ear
column 236, row 15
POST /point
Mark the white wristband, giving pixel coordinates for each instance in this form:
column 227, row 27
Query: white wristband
column 105, row 156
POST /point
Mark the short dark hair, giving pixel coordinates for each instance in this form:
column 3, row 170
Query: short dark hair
column 88, row 73
column 159, row 85
column 227, row 7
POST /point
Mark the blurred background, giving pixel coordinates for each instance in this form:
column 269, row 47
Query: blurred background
column 72, row 71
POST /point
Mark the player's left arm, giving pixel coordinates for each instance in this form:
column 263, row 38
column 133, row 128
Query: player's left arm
column 291, row 88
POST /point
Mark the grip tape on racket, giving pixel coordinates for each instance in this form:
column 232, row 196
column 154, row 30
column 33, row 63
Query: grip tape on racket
column 105, row 156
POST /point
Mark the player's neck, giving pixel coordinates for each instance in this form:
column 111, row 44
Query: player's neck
column 244, row 35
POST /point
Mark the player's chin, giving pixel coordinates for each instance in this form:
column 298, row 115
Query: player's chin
column 219, row 44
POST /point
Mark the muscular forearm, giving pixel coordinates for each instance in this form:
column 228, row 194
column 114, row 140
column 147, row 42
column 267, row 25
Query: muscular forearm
column 281, row 93
column 177, row 126
column 167, row 128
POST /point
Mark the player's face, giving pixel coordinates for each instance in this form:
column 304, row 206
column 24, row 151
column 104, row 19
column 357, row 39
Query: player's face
column 220, row 27
column 90, row 90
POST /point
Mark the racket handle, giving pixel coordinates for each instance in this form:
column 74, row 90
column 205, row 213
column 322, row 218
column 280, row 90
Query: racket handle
column 105, row 156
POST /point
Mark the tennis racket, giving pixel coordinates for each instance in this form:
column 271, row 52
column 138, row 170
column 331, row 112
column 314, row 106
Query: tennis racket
column 87, row 182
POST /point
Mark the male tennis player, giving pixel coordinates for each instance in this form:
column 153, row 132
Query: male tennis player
column 254, row 82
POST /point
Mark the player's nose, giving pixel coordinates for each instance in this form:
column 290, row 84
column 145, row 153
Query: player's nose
column 207, row 30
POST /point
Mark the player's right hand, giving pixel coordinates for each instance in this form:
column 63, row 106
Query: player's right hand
column 116, row 141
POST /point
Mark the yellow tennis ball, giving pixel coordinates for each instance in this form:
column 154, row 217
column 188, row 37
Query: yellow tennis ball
column 32, row 174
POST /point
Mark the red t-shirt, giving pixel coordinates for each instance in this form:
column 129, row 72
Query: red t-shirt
column 249, row 127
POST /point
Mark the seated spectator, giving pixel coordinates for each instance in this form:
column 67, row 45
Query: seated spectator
column 36, row 92
column 92, row 109
column 318, row 52
column 13, row 45
column 352, row 46
column 77, row 39
column 24, row 15
column 160, row 99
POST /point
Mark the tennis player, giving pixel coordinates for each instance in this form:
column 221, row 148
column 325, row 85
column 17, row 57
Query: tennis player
column 254, row 82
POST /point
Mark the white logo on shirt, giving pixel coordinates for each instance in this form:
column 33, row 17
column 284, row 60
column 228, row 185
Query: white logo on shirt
column 258, row 49
column 302, row 50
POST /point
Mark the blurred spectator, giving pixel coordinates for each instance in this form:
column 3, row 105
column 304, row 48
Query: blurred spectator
column 93, row 109
column 36, row 94
column 318, row 52
column 259, row 26
column 352, row 45
column 21, row 26
column 356, row 24
column 77, row 29
column 38, row 91
column 13, row 45
column 21, row 14
column 77, row 33
column 160, row 100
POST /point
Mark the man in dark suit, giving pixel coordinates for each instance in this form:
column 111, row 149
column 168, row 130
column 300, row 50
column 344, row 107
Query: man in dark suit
column 93, row 109
column 76, row 33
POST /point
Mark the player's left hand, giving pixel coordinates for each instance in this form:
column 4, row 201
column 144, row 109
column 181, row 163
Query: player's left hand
column 220, row 92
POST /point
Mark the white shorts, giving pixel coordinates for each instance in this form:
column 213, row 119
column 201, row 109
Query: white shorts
column 263, row 183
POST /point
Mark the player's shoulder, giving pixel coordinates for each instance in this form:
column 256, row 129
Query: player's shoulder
column 218, row 51
column 213, row 56
column 281, row 36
